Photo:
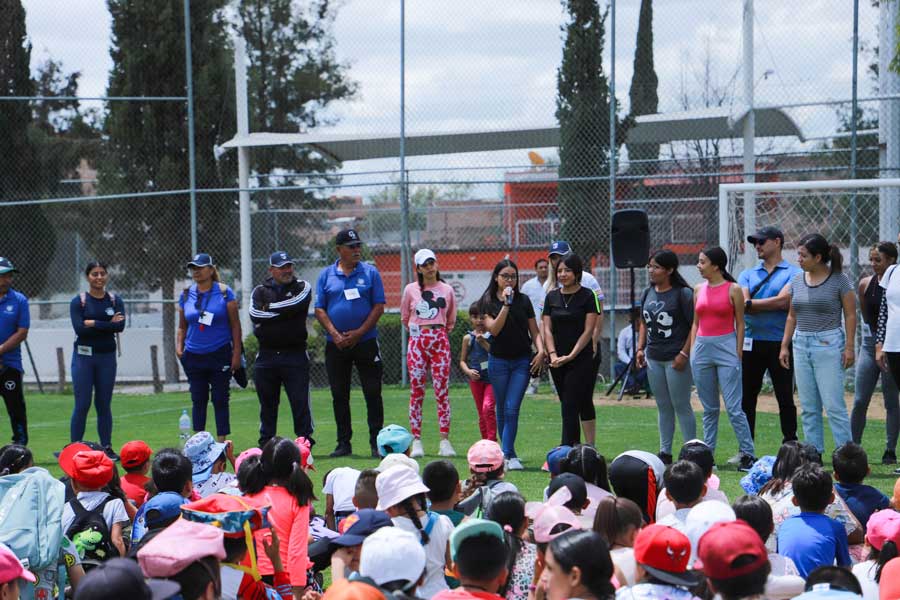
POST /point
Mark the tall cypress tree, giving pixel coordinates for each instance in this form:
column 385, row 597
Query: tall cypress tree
column 643, row 93
column 582, row 109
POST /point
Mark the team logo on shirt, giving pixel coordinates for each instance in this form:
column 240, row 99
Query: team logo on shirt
column 9, row 308
column 10, row 385
column 360, row 281
column 110, row 311
column 428, row 306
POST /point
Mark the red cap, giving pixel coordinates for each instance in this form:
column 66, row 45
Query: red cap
column 726, row 542
column 134, row 454
column 664, row 552
column 90, row 468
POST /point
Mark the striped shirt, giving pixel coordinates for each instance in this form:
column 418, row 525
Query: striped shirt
column 818, row 308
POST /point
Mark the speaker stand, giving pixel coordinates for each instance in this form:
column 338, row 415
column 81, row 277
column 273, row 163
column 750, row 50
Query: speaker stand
column 631, row 364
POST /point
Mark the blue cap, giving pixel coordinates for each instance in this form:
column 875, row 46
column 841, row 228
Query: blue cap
column 202, row 450
column 560, row 247
column 555, row 457
column 6, row 266
column 167, row 506
column 201, row 260
column 279, row 259
column 393, row 439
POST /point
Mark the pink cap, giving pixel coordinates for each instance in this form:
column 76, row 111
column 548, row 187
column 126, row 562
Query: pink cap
column 306, row 457
column 178, row 545
column 883, row 526
column 549, row 518
column 244, row 456
column 485, row 456
column 11, row 568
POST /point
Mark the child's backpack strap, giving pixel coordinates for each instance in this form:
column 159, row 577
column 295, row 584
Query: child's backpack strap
column 430, row 523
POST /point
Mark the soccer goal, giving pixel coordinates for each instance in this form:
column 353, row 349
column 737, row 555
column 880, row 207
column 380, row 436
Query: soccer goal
column 853, row 213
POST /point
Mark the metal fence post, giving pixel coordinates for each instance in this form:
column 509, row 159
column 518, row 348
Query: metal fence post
column 404, row 189
column 192, row 167
column 613, row 275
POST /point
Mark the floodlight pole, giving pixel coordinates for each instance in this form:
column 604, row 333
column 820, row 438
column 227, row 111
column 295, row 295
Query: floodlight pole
column 192, row 166
column 749, row 162
column 854, row 209
column 404, row 189
column 243, row 130
column 613, row 279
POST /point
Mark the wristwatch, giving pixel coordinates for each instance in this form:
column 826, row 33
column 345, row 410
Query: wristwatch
column 748, row 305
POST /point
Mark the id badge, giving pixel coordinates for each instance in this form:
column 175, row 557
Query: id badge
column 206, row 318
column 85, row 350
column 484, row 365
column 351, row 293
column 748, row 344
column 867, row 331
column 414, row 329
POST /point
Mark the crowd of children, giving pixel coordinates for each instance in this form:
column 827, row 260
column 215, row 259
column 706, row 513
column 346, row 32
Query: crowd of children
column 202, row 523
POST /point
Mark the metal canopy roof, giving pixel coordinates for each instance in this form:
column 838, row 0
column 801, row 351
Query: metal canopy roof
column 712, row 123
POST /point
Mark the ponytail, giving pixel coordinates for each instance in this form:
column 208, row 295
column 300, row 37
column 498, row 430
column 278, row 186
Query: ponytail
column 300, row 486
column 279, row 463
column 718, row 258
column 251, row 476
column 836, row 260
column 817, row 245
column 411, row 507
column 888, row 551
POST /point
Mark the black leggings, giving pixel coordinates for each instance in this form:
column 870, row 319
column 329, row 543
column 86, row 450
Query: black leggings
column 576, row 390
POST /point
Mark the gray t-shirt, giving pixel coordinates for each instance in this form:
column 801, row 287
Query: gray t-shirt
column 668, row 316
column 818, row 308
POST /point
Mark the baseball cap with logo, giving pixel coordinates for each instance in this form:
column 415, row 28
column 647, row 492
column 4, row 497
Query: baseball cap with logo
column 347, row 237
column 201, row 260
column 560, row 247
column 664, row 552
column 729, row 549
column 279, row 259
column 134, row 454
column 6, row 266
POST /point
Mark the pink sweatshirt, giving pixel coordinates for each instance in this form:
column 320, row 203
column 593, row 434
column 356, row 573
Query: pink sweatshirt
column 291, row 523
column 435, row 306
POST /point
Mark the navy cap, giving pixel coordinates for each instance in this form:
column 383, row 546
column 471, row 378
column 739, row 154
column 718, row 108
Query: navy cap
column 766, row 233
column 201, row 260
column 347, row 237
column 560, row 247
column 573, row 482
column 123, row 578
column 279, row 259
column 6, row 266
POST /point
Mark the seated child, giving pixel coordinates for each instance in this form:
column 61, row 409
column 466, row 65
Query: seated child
column 699, row 453
column 444, row 490
column 851, row 467
column 685, row 488
column 393, row 560
column 577, row 488
column 485, row 460
column 209, row 459
column 479, row 555
column 171, row 472
column 662, row 554
column 618, row 521
column 339, row 486
column 189, row 554
column 365, row 495
column 135, row 459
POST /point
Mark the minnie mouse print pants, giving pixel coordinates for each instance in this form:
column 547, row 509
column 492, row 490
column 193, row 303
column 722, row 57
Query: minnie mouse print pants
column 431, row 348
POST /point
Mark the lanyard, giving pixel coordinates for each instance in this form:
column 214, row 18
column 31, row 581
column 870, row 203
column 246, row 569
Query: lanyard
column 202, row 309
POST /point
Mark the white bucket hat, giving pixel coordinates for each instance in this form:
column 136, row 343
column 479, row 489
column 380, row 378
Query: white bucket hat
column 396, row 484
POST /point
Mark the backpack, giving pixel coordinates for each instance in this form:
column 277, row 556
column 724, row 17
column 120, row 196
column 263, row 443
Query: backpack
column 112, row 298
column 487, row 495
column 90, row 533
column 31, row 507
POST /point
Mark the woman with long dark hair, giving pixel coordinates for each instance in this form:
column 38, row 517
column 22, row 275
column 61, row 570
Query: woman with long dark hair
column 820, row 296
column 509, row 318
column 428, row 310
column 718, row 340
column 664, row 346
column 97, row 316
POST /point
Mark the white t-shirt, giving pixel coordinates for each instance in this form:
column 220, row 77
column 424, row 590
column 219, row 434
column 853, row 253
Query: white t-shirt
column 784, row 581
column 891, row 284
column 341, row 483
column 665, row 507
column 623, row 345
column 654, row 591
column 865, row 573
column 677, row 519
column 113, row 512
column 624, row 559
column 435, row 553
column 534, row 289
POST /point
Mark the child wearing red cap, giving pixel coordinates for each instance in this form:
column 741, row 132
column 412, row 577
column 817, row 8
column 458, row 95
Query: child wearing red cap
column 734, row 560
column 662, row 554
column 135, row 459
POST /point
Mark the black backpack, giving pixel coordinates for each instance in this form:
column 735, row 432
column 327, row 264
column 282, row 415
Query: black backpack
column 90, row 533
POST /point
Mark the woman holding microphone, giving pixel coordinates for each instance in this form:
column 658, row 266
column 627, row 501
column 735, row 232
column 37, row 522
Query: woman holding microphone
column 509, row 318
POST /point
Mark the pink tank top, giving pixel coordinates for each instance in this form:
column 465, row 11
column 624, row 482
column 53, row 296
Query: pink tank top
column 714, row 310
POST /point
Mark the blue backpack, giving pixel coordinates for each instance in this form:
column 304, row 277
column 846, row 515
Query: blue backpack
column 31, row 507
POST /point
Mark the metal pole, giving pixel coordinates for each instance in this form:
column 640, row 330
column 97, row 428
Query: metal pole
column 854, row 209
column 749, row 161
column 243, row 129
column 888, row 122
column 404, row 195
column 192, row 167
column 613, row 275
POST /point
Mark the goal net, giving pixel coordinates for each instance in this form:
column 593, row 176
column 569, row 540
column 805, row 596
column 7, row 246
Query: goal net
column 854, row 214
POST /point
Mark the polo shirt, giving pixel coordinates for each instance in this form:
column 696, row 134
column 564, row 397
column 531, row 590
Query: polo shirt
column 768, row 325
column 348, row 299
column 206, row 338
column 13, row 315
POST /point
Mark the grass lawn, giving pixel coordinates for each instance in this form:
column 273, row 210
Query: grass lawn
column 154, row 418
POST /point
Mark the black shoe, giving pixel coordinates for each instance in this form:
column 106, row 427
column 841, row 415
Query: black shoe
column 110, row 453
column 889, row 457
column 665, row 458
column 341, row 450
column 746, row 462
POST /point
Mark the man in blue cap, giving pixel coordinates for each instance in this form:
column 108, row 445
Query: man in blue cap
column 278, row 311
column 14, row 323
column 349, row 301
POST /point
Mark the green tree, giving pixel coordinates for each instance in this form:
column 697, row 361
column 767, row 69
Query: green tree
column 643, row 93
column 582, row 109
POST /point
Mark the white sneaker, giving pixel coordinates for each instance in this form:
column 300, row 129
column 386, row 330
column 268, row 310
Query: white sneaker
column 417, row 450
column 736, row 459
column 446, row 448
column 514, row 464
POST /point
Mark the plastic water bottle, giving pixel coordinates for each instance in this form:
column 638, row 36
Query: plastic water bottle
column 184, row 428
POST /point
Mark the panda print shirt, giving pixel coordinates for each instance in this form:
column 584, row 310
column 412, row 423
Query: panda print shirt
column 668, row 316
column 435, row 305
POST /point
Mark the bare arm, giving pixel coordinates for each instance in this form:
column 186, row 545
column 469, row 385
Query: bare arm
column 237, row 341
column 848, row 302
column 115, row 536
column 181, row 333
column 784, row 356
column 590, row 320
column 538, row 361
column 641, row 344
column 495, row 324
column 696, row 324
column 13, row 341
column 737, row 300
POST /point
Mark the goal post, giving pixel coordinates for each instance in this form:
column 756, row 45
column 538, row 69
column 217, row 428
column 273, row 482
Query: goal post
column 855, row 214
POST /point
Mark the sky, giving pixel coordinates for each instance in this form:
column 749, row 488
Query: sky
column 473, row 65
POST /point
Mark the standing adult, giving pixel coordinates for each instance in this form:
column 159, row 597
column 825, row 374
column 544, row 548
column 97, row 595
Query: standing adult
column 887, row 339
column 14, row 323
column 97, row 316
column 428, row 310
column 819, row 296
column 569, row 317
column 664, row 346
column 349, row 302
column 208, row 342
column 765, row 313
column 534, row 289
column 718, row 338
column 278, row 311
column 870, row 292
column 511, row 322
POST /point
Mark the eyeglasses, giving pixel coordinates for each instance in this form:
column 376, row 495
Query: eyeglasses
column 508, row 277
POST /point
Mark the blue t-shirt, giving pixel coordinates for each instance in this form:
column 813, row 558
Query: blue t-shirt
column 767, row 325
column 200, row 338
column 348, row 299
column 102, row 336
column 13, row 315
column 862, row 499
column 813, row 540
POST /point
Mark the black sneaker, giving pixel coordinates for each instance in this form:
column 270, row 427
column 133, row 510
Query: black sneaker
column 665, row 458
column 375, row 453
column 341, row 450
column 889, row 457
column 110, row 453
column 746, row 462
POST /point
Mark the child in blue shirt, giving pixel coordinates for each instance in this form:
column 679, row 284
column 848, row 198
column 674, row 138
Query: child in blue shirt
column 811, row 539
column 851, row 466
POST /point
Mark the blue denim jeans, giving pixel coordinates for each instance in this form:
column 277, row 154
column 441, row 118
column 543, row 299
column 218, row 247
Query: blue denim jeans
column 820, row 383
column 715, row 365
column 867, row 374
column 509, row 378
column 93, row 378
column 672, row 392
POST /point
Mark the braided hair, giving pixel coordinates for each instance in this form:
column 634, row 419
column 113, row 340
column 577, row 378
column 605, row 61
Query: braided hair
column 411, row 507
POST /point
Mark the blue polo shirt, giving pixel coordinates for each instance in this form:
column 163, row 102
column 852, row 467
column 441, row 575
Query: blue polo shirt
column 208, row 338
column 13, row 315
column 336, row 295
column 767, row 326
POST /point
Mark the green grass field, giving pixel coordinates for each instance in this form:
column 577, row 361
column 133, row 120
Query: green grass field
column 154, row 418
